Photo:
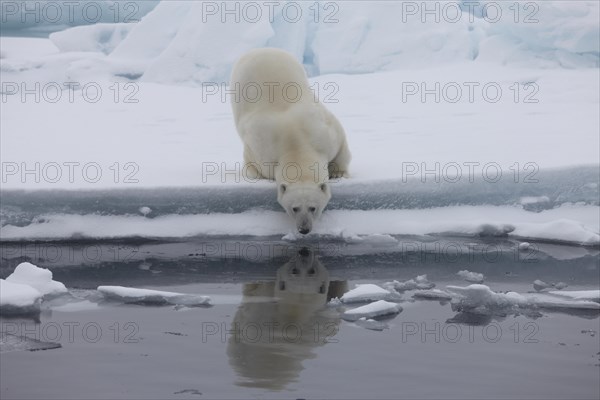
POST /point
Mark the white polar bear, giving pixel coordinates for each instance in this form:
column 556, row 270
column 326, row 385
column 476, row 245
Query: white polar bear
column 288, row 135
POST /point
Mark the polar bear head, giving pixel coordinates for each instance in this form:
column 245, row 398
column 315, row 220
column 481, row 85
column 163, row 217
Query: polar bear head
column 304, row 201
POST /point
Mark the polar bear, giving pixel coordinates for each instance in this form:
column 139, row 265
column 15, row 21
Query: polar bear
column 288, row 135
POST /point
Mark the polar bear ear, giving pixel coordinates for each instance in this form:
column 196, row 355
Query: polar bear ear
column 323, row 187
column 282, row 188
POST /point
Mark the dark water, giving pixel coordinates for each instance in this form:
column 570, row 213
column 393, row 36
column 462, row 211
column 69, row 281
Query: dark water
column 264, row 340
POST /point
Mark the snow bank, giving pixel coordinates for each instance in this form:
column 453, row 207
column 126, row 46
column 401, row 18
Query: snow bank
column 555, row 32
column 190, row 43
column 148, row 296
column 17, row 298
column 379, row 308
column 101, row 38
column 38, row 278
column 27, row 16
column 180, row 45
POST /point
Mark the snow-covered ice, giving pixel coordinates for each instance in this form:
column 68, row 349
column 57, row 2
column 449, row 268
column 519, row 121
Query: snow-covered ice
column 367, row 292
column 469, row 276
column 588, row 295
column 38, row 278
column 149, row 296
column 540, row 285
column 524, row 246
column 560, row 285
column 17, row 298
column 376, row 309
column 456, row 220
column 481, row 299
column 419, row 283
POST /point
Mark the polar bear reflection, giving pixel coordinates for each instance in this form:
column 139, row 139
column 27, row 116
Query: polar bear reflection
column 279, row 323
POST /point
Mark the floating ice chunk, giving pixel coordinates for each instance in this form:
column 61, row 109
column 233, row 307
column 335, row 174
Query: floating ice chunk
column 76, row 306
column 560, row 285
column 379, row 240
column 17, row 298
column 10, row 342
column 469, row 276
column 533, row 200
column 477, row 295
column 419, row 283
column 145, row 210
column 482, row 298
column 589, row 295
column 372, row 324
column 539, row 285
column 433, row 294
column 524, row 246
column 366, row 293
column 38, row 278
column 377, row 309
column 494, row 230
column 148, row 296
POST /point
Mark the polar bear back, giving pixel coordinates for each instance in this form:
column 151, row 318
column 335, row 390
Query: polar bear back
column 268, row 79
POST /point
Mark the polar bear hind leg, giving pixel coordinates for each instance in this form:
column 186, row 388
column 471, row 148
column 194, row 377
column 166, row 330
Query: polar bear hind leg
column 338, row 167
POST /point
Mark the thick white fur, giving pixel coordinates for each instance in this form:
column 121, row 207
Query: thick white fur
column 288, row 135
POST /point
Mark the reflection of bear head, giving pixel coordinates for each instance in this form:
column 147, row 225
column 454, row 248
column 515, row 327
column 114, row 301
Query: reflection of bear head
column 302, row 280
column 304, row 201
column 279, row 324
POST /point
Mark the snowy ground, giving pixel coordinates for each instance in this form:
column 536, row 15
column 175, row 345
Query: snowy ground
column 149, row 135
column 162, row 135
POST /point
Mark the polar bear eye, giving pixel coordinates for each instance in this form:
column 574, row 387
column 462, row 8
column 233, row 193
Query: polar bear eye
column 295, row 209
column 312, row 209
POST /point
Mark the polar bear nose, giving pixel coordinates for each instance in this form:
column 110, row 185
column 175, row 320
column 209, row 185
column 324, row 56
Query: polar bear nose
column 303, row 231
